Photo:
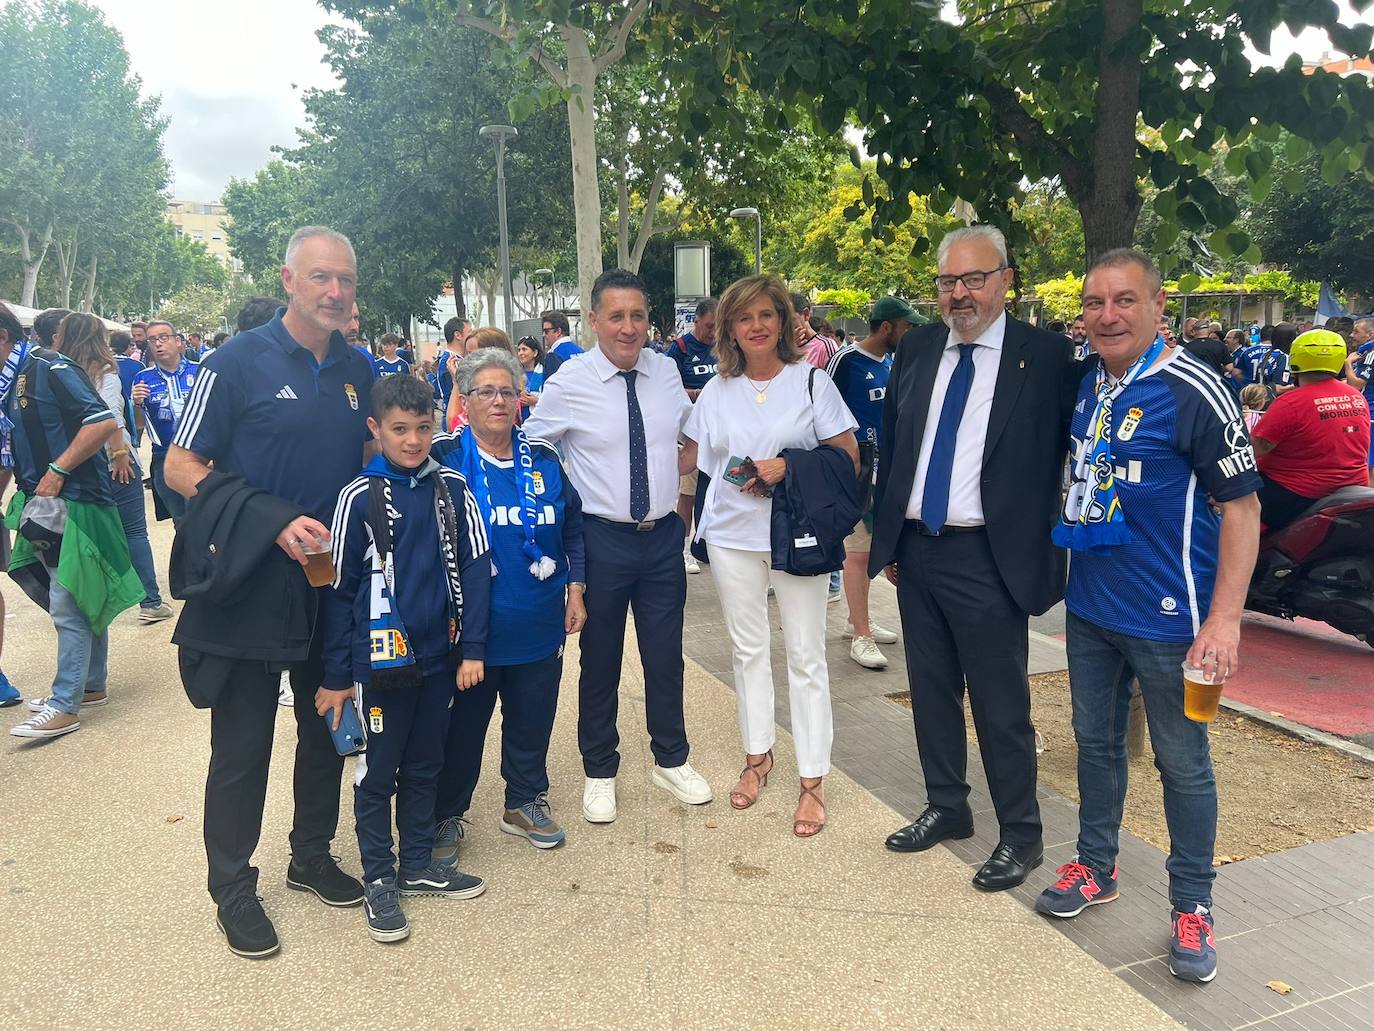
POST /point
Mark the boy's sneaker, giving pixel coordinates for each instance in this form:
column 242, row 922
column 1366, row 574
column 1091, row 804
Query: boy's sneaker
column 1193, row 950
column 89, row 700
column 247, row 928
column 321, row 875
column 155, row 613
column 534, row 820
column 1079, row 886
column 9, row 694
column 448, row 838
column 386, row 922
column 442, row 880
column 285, row 696
column 47, row 722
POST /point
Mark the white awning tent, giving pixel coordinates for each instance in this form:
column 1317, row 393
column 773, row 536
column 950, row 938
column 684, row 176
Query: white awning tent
column 27, row 315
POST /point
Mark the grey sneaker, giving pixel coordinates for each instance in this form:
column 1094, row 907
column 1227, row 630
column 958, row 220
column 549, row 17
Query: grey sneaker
column 88, row 700
column 386, row 922
column 448, row 837
column 442, row 880
column 156, row 614
column 534, row 821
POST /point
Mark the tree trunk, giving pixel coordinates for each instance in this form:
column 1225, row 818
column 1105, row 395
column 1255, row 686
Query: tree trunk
column 88, row 294
column 32, row 265
column 460, row 307
column 586, row 193
column 66, row 268
column 622, row 192
column 1111, row 206
column 646, row 221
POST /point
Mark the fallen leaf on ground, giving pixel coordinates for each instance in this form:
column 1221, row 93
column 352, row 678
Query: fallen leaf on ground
column 1280, row 987
column 711, row 824
column 175, row 819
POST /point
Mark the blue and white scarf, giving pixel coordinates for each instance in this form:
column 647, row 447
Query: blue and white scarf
column 1092, row 519
column 474, row 471
column 18, row 352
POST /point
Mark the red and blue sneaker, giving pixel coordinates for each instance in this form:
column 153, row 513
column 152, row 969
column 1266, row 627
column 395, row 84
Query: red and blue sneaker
column 1193, row 950
column 1079, row 886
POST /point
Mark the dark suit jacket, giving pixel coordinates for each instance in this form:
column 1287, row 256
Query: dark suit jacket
column 1028, row 434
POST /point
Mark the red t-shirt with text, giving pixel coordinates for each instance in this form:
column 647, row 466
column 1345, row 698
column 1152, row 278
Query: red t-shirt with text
column 1320, row 434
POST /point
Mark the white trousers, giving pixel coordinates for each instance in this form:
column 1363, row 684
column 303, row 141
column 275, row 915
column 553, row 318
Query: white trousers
column 742, row 579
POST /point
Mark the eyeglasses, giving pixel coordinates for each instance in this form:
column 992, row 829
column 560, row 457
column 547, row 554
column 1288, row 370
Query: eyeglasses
column 550, row 329
column 161, row 338
column 490, row 394
column 971, row 280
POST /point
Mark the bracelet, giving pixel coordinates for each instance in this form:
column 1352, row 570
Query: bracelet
column 121, row 451
column 59, row 470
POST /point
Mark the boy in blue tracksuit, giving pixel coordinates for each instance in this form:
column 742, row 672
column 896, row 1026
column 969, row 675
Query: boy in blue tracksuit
column 409, row 607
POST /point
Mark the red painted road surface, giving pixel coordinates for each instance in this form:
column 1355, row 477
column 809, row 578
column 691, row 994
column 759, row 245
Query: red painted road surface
column 1306, row 672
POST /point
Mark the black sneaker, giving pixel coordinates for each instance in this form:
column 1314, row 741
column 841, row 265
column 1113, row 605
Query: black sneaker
column 321, row 874
column 442, row 880
column 385, row 920
column 247, row 928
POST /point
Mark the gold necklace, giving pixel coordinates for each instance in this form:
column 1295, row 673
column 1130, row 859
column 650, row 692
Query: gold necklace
column 761, row 394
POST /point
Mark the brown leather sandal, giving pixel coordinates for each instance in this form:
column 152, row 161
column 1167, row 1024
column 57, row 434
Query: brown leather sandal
column 809, row 828
column 742, row 799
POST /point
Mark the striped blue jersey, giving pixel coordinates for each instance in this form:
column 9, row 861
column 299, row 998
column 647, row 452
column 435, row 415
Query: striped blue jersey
column 391, row 367
column 1178, row 437
column 166, row 401
column 862, row 382
column 1363, row 363
column 1263, row 364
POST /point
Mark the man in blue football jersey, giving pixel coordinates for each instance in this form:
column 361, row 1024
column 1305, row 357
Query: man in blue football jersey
column 1158, row 578
column 1266, row 363
column 390, row 363
column 695, row 355
column 860, row 372
column 159, row 394
column 1360, row 371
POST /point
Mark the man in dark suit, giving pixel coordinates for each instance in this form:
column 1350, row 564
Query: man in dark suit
column 976, row 426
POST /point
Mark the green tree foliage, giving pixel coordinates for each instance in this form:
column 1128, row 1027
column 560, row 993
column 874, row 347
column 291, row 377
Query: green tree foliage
column 728, row 263
column 198, row 309
column 844, row 304
column 1063, row 296
column 265, row 211
column 1053, row 242
column 1027, row 90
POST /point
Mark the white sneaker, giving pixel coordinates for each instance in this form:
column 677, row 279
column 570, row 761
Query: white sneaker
column 285, row 696
column 832, row 596
column 686, row 784
column 156, row 614
column 88, row 700
column 690, row 562
column 49, row 722
column 598, row 800
column 866, row 654
column 879, row 633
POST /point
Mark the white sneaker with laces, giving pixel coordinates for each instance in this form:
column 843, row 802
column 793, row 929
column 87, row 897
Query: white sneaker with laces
column 89, row 700
column 598, row 800
column 285, row 696
column 685, row 783
column 49, row 722
column 156, row 614
column 878, row 632
column 690, row 562
column 866, row 654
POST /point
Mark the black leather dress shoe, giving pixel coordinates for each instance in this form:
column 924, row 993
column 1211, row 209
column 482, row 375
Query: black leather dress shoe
column 1008, row 866
column 931, row 827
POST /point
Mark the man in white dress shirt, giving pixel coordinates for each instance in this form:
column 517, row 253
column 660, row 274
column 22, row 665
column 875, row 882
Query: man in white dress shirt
column 618, row 414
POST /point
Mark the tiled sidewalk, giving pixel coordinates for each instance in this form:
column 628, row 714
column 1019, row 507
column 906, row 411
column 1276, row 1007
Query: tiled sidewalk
column 1304, row 917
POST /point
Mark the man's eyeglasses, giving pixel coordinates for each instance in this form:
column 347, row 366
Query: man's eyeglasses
column 160, row 338
column 971, row 280
column 490, row 394
column 550, row 329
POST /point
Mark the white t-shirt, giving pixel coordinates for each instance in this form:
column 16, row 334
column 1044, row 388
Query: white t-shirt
column 728, row 421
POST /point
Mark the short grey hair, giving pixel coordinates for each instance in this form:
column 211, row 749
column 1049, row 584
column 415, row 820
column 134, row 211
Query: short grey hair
column 1366, row 323
column 488, row 358
column 991, row 234
column 309, row 233
column 1130, row 256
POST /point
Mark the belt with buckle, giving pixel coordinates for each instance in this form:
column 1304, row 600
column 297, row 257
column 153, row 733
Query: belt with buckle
column 643, row 526
column 944, row 531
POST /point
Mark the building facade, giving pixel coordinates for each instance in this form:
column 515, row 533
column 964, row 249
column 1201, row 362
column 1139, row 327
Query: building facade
column 206, row 222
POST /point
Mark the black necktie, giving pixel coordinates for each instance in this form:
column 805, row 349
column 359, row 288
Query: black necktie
column 639, row 451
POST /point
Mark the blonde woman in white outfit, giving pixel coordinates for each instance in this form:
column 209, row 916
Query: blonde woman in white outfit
column 763, row 400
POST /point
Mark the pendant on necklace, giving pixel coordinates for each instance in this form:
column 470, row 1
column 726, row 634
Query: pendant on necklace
column 760, row 397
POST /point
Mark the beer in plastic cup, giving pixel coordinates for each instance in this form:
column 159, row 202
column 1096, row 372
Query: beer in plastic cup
column 1201, row 694
column 319, row 561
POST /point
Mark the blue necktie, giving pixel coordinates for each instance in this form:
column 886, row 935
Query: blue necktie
column 935, row 499
column 639, row 451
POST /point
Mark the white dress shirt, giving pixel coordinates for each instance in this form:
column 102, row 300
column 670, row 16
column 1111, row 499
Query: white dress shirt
column 584, row 407
column 965, row 483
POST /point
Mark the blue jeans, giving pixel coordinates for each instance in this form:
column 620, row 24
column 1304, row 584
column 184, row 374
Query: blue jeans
column 1102, row 664
column 171, row 500
column 81, row 655
column 132, row 513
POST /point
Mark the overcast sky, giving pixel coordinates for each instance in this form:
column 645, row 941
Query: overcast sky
column 231, row 73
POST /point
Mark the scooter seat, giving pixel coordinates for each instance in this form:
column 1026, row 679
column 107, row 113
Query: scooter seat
column 1344, row 496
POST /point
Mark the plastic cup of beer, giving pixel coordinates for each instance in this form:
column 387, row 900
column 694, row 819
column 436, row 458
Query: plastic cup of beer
column 319, row 561
column 1201, row 693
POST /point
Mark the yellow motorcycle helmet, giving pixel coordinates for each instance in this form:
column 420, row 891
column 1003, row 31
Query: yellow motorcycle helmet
column 1318, row 350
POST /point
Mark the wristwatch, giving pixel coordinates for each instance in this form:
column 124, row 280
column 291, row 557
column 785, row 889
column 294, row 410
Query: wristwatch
column 578, row 583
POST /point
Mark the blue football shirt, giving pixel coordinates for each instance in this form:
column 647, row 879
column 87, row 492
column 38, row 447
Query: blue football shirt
column 396, row 367
column 1263, row 364
column 862, row 382
column 696, row 362
column 168, row 393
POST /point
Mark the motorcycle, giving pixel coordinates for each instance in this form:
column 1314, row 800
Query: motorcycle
column 1321, row 565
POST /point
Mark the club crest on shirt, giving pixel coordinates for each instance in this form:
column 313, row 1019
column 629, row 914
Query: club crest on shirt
column 352, row 396
column 538, row 480
column 19, row 388
column 1128, row 424
column 374, row 719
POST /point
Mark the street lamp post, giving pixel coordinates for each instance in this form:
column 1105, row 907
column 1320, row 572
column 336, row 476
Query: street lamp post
column 545, row 272
column 758, row 234
column 499, row 134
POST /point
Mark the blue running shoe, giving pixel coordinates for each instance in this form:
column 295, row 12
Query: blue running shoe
column 1193, row 950
column 1079, row 886
column 534, row 820
column 9, row 694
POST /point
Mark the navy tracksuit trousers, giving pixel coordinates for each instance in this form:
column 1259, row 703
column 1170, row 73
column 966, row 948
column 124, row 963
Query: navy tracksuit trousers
column 529, row 702
column 406, row 731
